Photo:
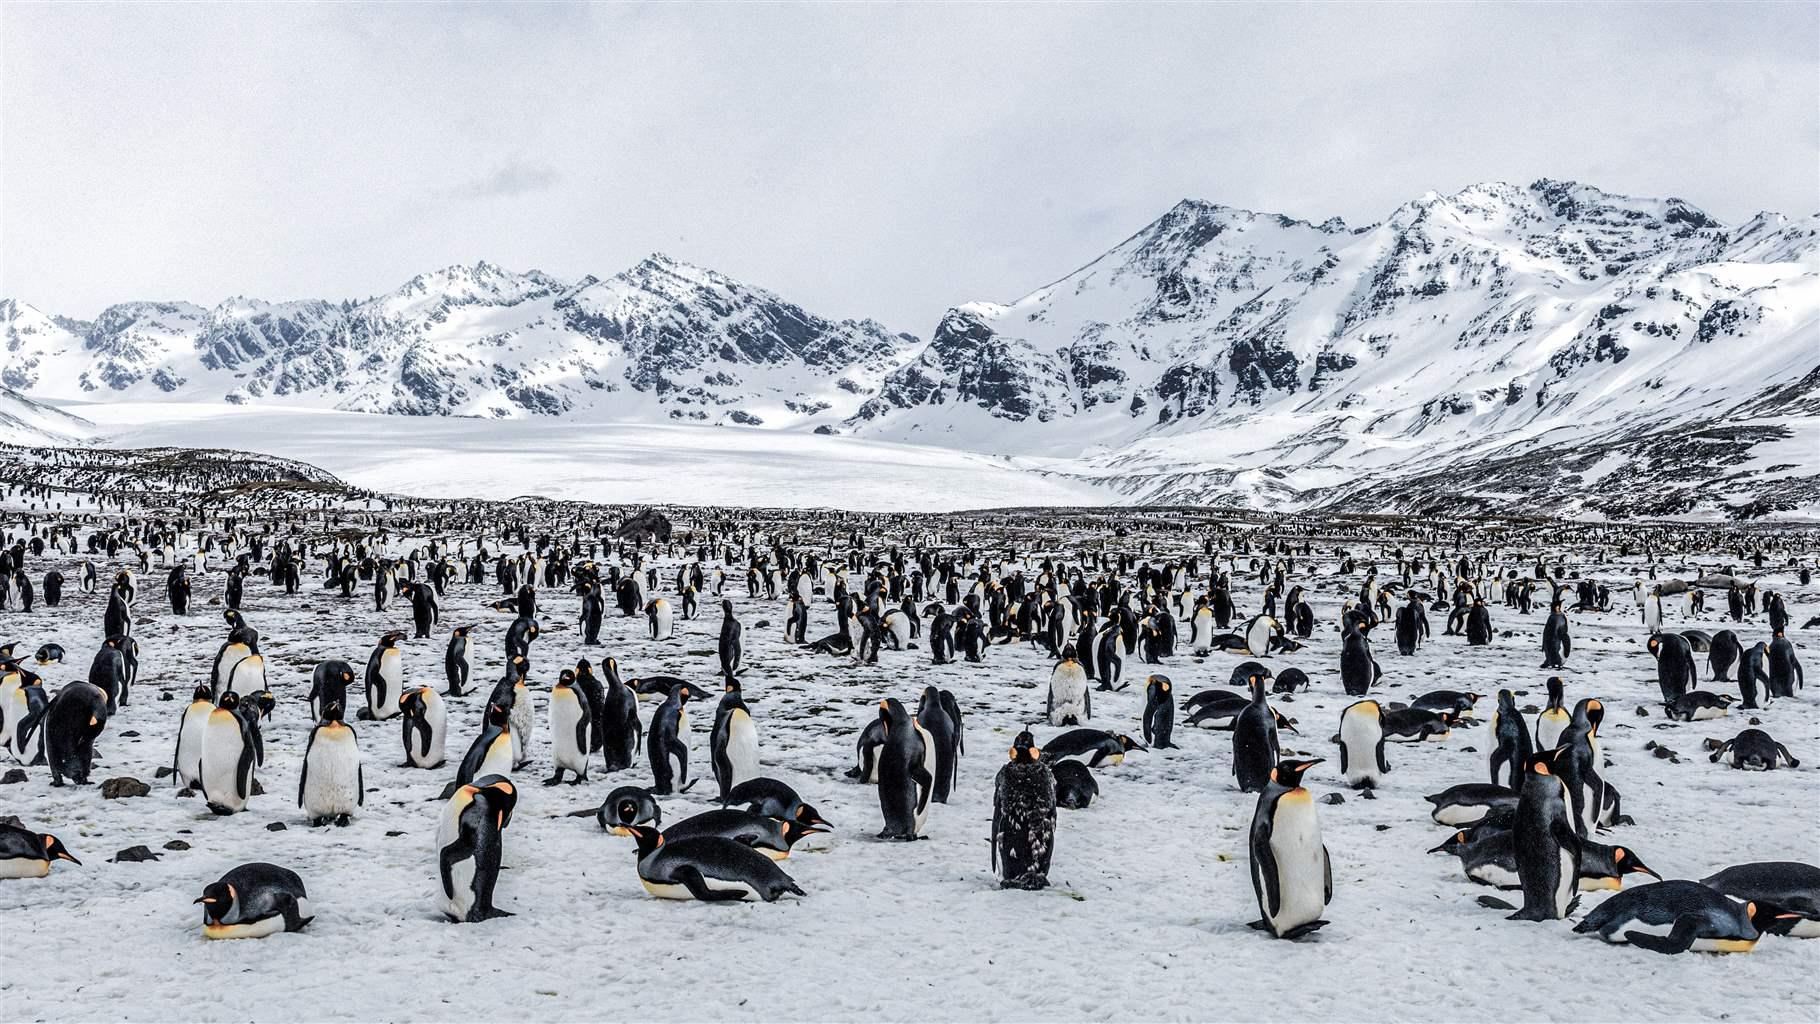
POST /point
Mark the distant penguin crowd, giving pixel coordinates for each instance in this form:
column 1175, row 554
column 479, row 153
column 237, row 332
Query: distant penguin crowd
column 1154, row 607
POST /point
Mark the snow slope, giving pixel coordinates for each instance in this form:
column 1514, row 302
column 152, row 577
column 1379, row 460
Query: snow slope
column 1146, row 919
column 25, row 422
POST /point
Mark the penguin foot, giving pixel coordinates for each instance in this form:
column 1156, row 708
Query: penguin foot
column 1301, row 930
column 343, row 820
column 553, row 780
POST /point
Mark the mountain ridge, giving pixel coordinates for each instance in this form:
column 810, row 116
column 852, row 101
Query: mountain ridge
column 1214, row 344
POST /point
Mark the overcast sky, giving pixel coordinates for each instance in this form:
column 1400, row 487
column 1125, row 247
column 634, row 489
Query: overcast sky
column 861, row 160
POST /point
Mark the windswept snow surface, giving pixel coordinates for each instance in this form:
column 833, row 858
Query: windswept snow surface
column 447, row 457
column 1146, row 918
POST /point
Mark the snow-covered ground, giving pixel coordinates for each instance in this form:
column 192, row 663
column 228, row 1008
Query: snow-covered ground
column 615, row 463
column 1146, row 918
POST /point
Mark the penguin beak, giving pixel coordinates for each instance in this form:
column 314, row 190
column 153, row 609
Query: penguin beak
column 66, row 855
column 203, row 899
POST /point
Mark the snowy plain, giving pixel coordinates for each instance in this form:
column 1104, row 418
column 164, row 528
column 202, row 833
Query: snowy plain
column 1146, row 918
column 605, row 462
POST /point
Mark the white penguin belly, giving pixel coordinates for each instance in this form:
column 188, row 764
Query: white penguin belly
column 674, row 891
column 1068, row 694
column 221, row 749
column 1257, row 640
column 565, row 713
column 1459, row 814
column 1703, row 714
column 248, row 675
column 742, row 748
column 24, row 867
column 929, row 767
column 1295, row 843
column 224, row 671
column 253, row 929
column 13, row 709
column 333, row 784
column 1549, row 729
column 1566, row 884
column 1806, row 928
column 523, row 722
column 900, row 631
column 189, row 743
column 498, row 760
column 1360, row 738
column 1495, row 874
column 391, row 685
column 1202, row 640
column 458, row 895
column 428, row 753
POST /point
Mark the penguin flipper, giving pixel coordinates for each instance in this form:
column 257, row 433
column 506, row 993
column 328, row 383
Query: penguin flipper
column 1679, row 940
column 1383, row 762
column 925, row 784
column 293, row 921
column 691, row 879
column 1494, row 903
column 1326, row 881
column 303, row 775
column 1264, row 879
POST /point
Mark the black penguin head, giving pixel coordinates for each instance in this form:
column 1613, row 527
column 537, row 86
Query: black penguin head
column 502, row 797
column 1594, row 711
column 217, row 899
column 332, row 711
column 54, row 849
column 203, row 692
column 808, row 815
column 566, row 677
column 726, row 608
column 1285, row 723
column 1288, row 772
column 795, row 831
column 1128, row 744
column 1160, row 682
column 1655, row 645
column 1451, row 844
column 390, row 638
column 1507, row 702
column 648, row 838
column 1542, row 762
column 229, row 701
column 412, row 703
column 1631, row 864
column 1556, row 688
column 498, row 716
column 1772, row 920
column 1024, row 749
column 730, row 683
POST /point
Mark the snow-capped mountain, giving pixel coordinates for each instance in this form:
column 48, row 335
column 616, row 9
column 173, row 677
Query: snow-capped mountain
column 1544, row 349
column 662, row 340
column 1225, row 355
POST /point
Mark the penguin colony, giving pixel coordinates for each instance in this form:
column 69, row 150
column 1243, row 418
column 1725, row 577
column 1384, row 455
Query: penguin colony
column 530, row 668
